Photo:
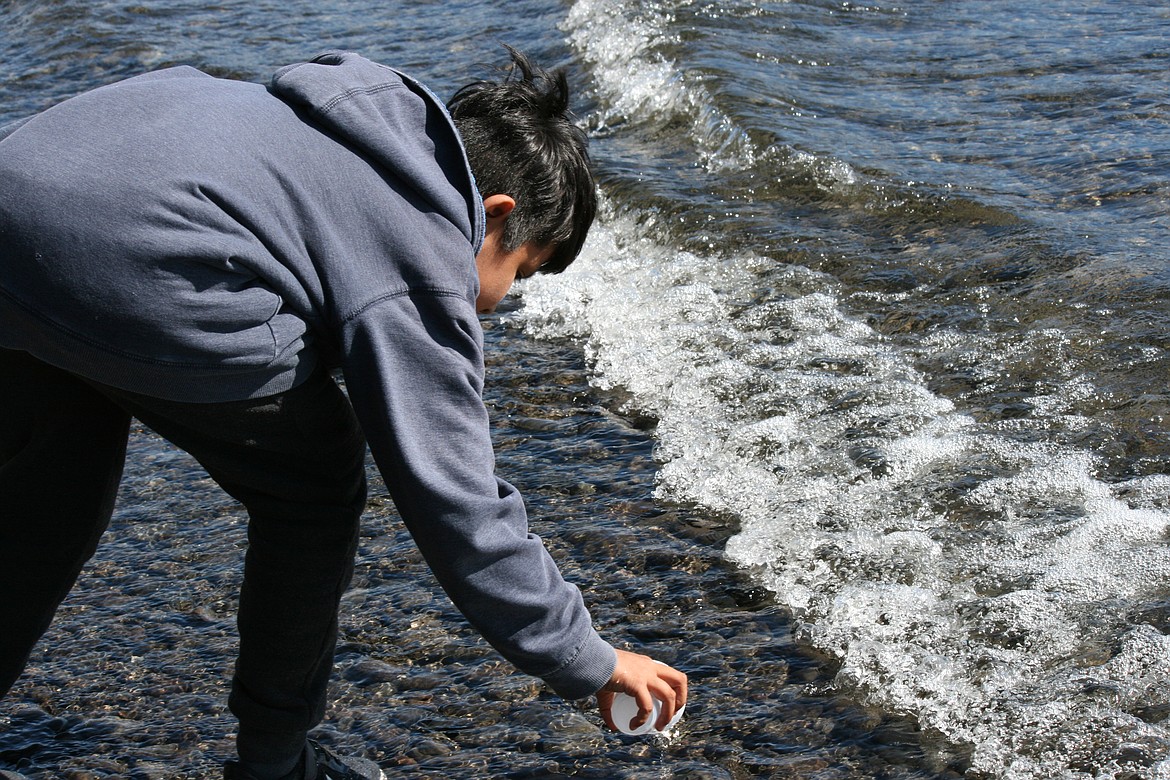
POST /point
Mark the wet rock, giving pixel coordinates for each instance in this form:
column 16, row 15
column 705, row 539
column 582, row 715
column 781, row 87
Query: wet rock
column 424, row 749
column 371, row 672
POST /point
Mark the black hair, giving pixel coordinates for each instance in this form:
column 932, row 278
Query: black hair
column 521, row 142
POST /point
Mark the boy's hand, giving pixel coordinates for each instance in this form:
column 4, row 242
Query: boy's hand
column 642, row 678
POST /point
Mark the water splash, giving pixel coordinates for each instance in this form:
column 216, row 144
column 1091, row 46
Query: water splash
column 974, row 574
column 637, row 82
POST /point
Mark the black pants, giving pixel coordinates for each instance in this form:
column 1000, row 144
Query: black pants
column 294, row 460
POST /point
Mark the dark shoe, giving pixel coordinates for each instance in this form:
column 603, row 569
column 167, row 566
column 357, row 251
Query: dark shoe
column 333, row 767
column 317, row 763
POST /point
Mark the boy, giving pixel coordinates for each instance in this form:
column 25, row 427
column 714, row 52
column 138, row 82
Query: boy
column 200, row 253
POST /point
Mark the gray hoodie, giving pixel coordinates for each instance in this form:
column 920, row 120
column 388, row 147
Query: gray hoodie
column 205, row 240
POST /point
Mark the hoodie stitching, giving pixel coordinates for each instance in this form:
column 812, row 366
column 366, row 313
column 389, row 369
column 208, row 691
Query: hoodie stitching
column 438, row 292
column 330, row 104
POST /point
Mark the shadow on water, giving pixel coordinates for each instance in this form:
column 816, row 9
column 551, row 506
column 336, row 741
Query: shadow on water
column 131, row 680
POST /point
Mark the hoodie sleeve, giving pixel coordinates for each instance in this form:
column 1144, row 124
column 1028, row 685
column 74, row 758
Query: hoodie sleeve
column 414, row 372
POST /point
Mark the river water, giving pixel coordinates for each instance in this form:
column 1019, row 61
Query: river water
column 854, row 407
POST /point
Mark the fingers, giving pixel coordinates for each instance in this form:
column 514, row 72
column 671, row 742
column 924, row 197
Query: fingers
column 645, row 706
column 669, row 688
column 605, row 706
column 645, row 680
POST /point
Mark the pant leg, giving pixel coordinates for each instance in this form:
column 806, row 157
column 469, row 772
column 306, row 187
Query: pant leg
column 296, row 461
column 62, row 447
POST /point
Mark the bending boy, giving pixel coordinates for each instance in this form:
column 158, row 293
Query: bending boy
column 200, row 254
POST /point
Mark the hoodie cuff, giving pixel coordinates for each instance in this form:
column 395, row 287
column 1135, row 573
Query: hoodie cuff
column 588, row 671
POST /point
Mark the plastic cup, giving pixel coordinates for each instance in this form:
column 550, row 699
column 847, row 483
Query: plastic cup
column 625, row 709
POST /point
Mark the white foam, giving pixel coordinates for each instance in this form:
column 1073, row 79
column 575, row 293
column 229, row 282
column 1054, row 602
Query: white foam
column 636, row 81
column 996, row 614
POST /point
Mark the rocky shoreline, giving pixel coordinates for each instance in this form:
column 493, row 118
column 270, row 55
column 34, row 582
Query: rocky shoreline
column 131, row 681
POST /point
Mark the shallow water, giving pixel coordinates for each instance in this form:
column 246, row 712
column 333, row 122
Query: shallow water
column 896, row 293
column 131, row 680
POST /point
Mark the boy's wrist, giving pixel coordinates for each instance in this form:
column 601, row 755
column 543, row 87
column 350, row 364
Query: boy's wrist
column 589, row 670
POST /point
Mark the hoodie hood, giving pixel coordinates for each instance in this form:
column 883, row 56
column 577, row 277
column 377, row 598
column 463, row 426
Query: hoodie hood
column 396, row 122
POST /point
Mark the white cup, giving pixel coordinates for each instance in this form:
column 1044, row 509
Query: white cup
column 625, row 709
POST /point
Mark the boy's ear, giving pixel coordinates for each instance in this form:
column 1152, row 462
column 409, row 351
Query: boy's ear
column 498, row 206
